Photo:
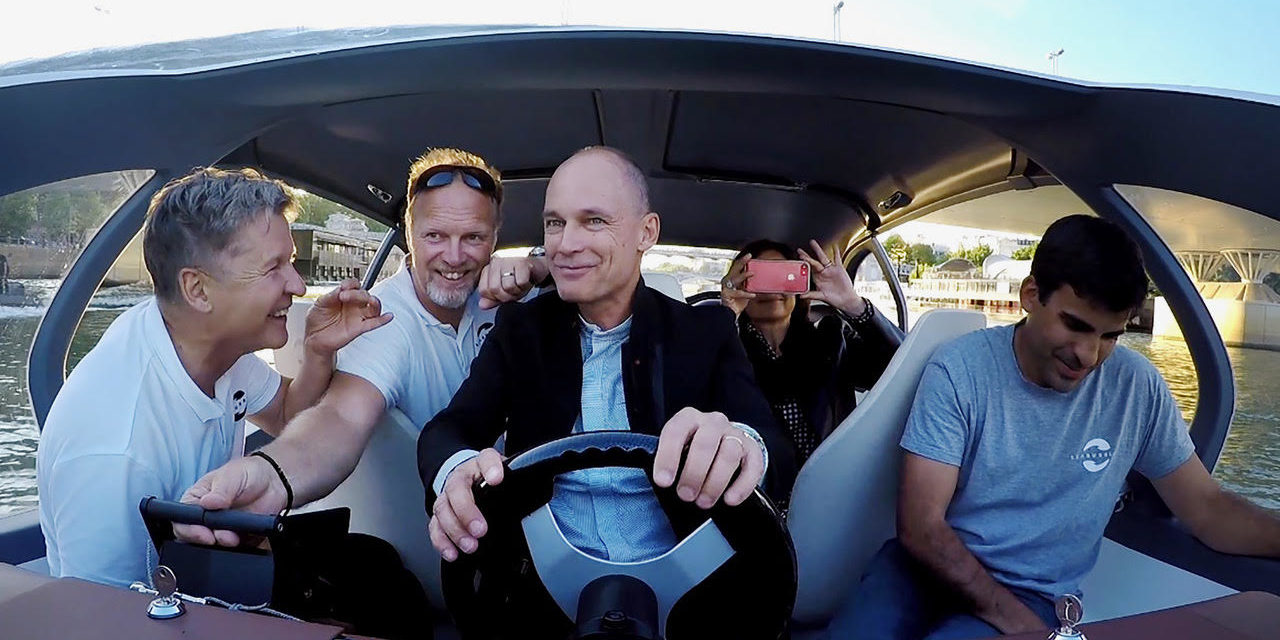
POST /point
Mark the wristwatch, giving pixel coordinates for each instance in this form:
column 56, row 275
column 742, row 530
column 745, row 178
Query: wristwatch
column 755, row 437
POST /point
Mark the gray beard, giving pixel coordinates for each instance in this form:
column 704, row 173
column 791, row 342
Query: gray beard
column 449, row 299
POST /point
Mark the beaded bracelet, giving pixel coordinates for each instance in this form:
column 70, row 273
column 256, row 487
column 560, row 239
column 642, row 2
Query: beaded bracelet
column 867, row 312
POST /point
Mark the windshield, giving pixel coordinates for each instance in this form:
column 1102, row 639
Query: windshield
column 1200, row 43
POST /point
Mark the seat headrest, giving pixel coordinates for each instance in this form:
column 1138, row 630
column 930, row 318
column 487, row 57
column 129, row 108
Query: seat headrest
column 666, row 283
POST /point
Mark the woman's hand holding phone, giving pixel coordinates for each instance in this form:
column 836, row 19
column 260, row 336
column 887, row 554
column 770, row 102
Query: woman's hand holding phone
column 733, row 293
column 832, row 282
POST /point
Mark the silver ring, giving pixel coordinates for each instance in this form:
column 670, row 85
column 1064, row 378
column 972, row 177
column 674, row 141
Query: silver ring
column 738, row 440
column 508, row 273
column 728, row 284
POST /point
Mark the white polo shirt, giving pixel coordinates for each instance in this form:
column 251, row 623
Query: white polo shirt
column 416, row 361
column 129, row 423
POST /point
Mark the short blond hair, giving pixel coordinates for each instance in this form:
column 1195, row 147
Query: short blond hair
column 450, row 157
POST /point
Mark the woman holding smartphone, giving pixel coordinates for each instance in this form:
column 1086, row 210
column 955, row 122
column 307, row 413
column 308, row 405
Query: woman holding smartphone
column 808, row 372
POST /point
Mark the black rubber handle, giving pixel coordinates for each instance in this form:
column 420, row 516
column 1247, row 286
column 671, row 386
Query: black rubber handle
column 228, row 519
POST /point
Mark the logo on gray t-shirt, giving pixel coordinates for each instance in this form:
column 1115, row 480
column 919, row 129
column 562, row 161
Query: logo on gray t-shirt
column 1096, row 455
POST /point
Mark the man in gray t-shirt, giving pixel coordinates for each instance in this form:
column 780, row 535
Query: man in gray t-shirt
column 1040, row 470
column 1017, row 448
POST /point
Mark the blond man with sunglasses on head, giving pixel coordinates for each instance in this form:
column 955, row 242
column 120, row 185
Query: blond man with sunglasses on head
column 415, row 363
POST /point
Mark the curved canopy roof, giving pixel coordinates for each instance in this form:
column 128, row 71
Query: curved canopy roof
column 957, row 265
column 741, row 136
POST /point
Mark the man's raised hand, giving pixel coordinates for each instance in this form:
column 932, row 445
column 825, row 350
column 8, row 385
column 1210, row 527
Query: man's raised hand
column 340, row 315
column 509, row 279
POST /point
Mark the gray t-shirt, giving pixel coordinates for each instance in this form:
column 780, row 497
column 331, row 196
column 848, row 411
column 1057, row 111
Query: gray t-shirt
column 1040, row 470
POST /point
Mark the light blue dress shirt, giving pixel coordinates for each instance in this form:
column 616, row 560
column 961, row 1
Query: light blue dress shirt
column 610, row 513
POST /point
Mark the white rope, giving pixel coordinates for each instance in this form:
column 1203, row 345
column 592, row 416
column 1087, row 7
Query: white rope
column 253, row 608
column 232, row 606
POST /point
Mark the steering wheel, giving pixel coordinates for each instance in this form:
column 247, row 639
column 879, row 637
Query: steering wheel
column 732, row 575
column 704, row 298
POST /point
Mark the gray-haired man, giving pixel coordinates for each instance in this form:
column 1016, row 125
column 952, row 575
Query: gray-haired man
column 162, row 398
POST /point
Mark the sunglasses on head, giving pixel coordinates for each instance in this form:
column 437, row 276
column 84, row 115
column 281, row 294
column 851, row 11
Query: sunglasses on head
column 474, row 178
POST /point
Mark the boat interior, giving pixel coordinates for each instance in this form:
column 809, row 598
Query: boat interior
column 741, row 137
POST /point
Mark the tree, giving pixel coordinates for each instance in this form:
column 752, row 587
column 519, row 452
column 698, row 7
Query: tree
column 975, row 255
column 896, row 247
column 17, row 214
column 978, row 254
column 922, row 254
column 71, row 215
column 312, row 209
column 1026, row 253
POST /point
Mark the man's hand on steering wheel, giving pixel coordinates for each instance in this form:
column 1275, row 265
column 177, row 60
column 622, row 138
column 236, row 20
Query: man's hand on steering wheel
column 456, row 522
column 717, row 450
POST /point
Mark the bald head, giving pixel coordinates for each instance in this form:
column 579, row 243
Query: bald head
column 632, row 187
column 597, row 226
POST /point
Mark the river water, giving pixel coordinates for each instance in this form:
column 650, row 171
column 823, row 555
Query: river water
column 1250, row 461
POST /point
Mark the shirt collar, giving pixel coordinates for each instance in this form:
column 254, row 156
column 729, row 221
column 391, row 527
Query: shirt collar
column 157, row 336
column 594, row 331
column 469, row 308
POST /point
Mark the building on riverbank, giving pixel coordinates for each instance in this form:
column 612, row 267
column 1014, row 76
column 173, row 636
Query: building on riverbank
column 331, row 255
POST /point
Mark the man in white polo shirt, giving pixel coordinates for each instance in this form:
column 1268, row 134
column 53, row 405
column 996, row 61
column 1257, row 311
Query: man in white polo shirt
column 163, row 397
column 444, row 301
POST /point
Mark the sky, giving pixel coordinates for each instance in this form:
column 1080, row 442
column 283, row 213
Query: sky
column 1227, row 44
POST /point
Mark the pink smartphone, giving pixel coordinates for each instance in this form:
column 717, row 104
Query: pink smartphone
column 777, row 276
